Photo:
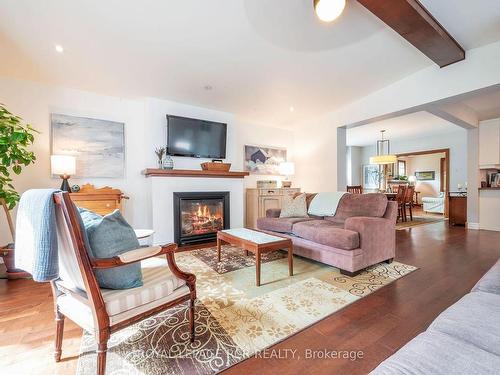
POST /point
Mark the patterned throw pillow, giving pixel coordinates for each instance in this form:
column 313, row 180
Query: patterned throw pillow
column 294, row 207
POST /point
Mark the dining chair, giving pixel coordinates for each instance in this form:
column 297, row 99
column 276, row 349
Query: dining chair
column 410, row 192
column 355, row 189
column 102, row 312
column 400, row 199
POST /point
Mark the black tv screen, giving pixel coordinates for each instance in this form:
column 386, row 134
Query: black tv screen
column 196, row 138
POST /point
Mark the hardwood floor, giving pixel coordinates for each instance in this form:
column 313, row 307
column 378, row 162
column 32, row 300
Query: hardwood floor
column 451, row 260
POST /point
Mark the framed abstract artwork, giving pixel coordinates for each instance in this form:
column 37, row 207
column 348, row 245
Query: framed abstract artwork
column 98, row 145
column 263, row 160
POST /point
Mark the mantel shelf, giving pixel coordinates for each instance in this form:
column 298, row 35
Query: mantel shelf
column 153, row 172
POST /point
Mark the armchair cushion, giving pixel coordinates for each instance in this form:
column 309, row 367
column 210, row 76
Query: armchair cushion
column 110, row 236
column 159, row 284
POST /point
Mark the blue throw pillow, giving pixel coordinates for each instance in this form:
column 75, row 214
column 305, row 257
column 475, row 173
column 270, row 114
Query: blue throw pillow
column 109, row 236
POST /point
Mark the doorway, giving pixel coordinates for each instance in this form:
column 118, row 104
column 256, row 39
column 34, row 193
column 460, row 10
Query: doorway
column 429, row 171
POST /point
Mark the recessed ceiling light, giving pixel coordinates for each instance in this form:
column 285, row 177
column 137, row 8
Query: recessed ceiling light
column 328, row 10
column 208, row 87
column 292, row 109
column 59, row 48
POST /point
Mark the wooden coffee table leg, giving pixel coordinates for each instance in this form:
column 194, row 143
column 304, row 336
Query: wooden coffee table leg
column 257, row 267
column 290, row 260
column 218, row 249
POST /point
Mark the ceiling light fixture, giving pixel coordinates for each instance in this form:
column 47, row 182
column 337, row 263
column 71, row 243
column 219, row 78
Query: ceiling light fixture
column 328, row 10
column 292, row 109
column 384, row 155
column 59, row 48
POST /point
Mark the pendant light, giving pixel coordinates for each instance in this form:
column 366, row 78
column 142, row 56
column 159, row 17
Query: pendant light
column 328, row 10
column 383, row 158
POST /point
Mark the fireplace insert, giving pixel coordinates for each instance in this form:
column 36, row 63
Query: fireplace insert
column 198, row 216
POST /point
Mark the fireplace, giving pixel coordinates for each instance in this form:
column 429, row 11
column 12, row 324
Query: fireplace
column 198, row 216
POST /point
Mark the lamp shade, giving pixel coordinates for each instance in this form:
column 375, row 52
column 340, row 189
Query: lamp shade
column 383, row 159
column 287, row 168
column 412, row 179
column 63, row 165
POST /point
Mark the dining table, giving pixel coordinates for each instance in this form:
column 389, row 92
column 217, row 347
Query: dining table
column 391, row 196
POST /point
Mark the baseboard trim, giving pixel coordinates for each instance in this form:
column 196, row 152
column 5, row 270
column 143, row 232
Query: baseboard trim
column 473, row 226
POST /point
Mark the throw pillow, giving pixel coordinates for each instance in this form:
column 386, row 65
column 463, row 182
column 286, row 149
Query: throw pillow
column 108, row 236
column 294, row 207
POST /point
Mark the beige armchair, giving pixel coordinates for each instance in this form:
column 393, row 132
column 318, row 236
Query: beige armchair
column 78, row 297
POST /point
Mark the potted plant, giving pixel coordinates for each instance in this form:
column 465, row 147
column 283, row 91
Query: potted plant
column 15, row 140
column 160, row 151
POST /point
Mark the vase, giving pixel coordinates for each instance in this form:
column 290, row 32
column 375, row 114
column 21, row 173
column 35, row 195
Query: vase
column 168, row 162
column 160, row 163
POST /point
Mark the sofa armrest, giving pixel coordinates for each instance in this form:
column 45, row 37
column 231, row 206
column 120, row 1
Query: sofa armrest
column 377, row 236
column 273, row 212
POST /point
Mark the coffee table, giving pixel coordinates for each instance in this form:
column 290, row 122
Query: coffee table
column 257, row 243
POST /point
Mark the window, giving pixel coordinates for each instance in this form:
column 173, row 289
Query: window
column 401, row 168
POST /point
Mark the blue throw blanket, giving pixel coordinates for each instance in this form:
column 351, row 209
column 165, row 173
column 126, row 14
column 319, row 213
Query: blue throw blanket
column 36, row 235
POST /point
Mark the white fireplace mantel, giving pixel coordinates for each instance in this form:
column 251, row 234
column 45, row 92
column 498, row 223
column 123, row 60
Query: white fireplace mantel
column 162, row 202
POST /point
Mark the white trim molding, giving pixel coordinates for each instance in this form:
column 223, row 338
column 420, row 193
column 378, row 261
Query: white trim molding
column 474, row 226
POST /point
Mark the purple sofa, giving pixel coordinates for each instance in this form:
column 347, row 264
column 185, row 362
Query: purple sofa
column 361, row 233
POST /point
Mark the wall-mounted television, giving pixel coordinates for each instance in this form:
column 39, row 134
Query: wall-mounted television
column 196, row 138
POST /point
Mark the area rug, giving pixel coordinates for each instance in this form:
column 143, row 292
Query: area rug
column 418, row 221
column 232, row 258
column 234, row 318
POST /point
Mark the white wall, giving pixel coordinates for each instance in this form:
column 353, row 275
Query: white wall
column 144, row 129
column 456, row 141
column 354, row 154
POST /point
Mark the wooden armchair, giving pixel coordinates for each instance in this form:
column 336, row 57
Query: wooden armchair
column 103, row 311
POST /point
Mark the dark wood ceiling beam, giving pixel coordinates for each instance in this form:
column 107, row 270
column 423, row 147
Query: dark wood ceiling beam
column 412, row 21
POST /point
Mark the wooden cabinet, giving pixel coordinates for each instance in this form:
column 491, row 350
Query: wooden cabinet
column 457, row 209
column 489, row 144
column 101, row 201
column 258, row 201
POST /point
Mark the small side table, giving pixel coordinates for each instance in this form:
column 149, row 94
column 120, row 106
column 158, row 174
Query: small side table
column 143, row 235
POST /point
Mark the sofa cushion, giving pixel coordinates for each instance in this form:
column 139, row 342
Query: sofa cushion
column 327, row 233
column 439, row 354
column 369, row 205
column 294, row 206
column 283, row 225
column 474, row 319
column 490, row 282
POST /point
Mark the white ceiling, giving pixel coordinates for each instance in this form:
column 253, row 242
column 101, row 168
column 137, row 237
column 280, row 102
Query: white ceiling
column 415, row 125
column 260, row 56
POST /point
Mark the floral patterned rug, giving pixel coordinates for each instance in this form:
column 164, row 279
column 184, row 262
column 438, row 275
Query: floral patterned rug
column 234, row 318
column 233, row 258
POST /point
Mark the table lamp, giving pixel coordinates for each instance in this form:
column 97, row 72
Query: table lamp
column 287, row 169
column 412, row 180
column 64, row 166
